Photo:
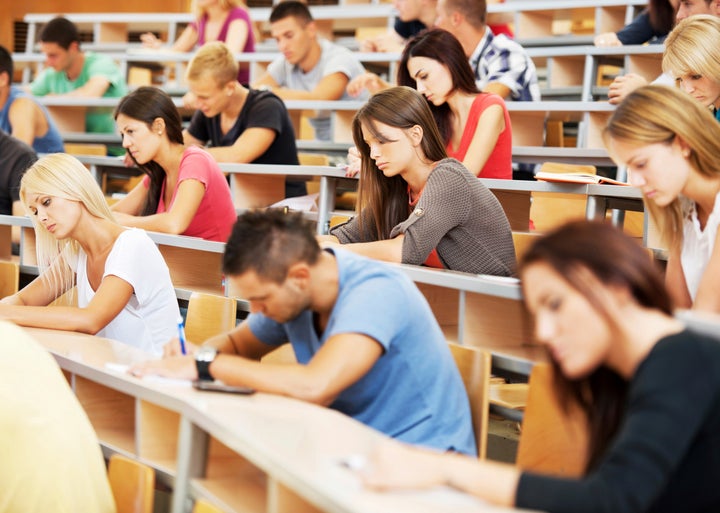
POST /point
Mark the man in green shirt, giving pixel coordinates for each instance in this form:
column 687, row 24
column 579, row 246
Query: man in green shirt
column 72, row 72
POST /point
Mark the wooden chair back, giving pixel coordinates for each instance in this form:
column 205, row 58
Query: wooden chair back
column 202, row 506
column 522, row 241
column 551, row 209
column 209, row 315
column 474, row 367
column 9, row 278
column 132, row 484
column 551, row 441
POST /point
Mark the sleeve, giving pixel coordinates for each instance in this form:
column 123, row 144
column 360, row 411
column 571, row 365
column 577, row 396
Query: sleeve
column 103, row 66
column 16, row 173
column 435, row 215
column 137, row 260
column 197, row 165
column 508, row 66
column 638, row 31
column 343, row 61
column 277, row 70
column 350, row 232
column 198, row 127
column 266, row 330
column 41, row 85
column 266, row 112
column 669, row 401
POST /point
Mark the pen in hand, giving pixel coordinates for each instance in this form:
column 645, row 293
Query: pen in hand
column 181, row 334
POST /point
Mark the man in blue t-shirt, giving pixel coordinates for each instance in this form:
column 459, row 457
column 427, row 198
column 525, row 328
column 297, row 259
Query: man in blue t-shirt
column 366, row 342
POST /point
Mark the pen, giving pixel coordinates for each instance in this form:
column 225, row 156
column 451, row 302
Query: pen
column 181, row 334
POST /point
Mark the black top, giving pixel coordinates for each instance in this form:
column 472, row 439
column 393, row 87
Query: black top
column 407, row 29
column 639, row 31
column 15, row 158
column 262, row 109
column 666, row 457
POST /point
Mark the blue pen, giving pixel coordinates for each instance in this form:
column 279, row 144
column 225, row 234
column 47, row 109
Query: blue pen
column 181, row 334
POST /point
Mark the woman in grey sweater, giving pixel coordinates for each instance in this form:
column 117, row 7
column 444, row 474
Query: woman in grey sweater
column 415, row 205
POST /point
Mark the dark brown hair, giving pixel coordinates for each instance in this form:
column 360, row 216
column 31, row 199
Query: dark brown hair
column 614, row 259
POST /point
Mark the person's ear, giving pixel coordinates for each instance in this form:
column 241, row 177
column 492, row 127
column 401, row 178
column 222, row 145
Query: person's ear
column 158, row 126
column 5, row 79
column 311, row 29
column 685, row 148
column 299, row 274
column 416, row 134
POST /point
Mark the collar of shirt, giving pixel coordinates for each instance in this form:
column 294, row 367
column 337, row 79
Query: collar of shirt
column 480, row 50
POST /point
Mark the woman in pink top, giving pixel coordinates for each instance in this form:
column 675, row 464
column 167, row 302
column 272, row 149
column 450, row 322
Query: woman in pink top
column 184, row 191
column 474, row 125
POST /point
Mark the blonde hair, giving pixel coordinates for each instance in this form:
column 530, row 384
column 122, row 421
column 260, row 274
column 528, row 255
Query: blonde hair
column 691, row 48
column 660, row 114
column 216, row 60
column 226, row 5
column 61, row 176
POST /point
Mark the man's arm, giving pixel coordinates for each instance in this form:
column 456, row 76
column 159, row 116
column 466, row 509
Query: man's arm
column 331, row 87
column 93, row 88
column 499, row 89
column 249, row 146
column 27, row 120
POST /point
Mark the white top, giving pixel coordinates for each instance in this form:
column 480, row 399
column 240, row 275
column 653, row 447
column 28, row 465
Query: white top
column 697, row 244
column 149, row 320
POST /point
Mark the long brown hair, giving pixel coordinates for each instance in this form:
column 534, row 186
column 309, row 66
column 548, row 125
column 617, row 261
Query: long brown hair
column 385, row 200
column 614, row 259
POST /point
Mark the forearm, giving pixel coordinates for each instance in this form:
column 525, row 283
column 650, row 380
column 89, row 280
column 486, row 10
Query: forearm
column 164, row 223
column 389, row 250
column 494, row 482
column 68, row 318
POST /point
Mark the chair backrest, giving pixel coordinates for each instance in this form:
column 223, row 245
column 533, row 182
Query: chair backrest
column 552, row 441
column 132, row 484
column 551, row 209
column 9, row 278
column 474, row 366
column 209, row 315
column 522, row 241
column 202, row 506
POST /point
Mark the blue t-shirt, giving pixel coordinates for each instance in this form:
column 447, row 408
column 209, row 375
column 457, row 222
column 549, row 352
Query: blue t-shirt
column 51, row 142
column 413, row 392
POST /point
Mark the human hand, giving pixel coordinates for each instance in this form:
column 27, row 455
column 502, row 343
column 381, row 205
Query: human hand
column 393, row 465
column 623, row 86
column 369, row 81
column 354, row 160
column 173, row 348
column 149, row 40
column 607, row 39
column 128, row 160
column 181, row 367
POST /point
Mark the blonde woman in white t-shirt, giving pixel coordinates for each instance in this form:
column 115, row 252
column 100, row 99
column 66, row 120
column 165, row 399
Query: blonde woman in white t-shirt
column 122, row 284
column 670, row 144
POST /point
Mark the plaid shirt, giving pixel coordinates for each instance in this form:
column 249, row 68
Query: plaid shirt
column 500, row 59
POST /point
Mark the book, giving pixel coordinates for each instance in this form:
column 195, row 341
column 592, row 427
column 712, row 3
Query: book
column 576, row 178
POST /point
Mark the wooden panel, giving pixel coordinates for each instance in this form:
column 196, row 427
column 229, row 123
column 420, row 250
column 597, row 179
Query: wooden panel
column 194, row 269
column 68, row 119
column 256, row 191
column 5, row 242
column 445, row 305
column 496, row 323
column 158, row 436
column 516, row 205
column 282, row 499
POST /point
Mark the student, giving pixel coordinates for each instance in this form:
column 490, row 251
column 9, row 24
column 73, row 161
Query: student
column 670, row 145
column 500, row 65
column 123, row 286
column 474, row 125
column 366, row 342
column 652, row 25
column 627, row 83
column 310, row 68
column 241, row 125
column 647, row 384
column 72, row 72
column 692, row 58
column 413, row 16
column 216, row 20
column 184, row 191
column 17, row 157
column 51, row 456
column 415, row 205
column 21, row 116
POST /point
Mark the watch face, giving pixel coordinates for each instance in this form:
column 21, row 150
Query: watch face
column 206, row 354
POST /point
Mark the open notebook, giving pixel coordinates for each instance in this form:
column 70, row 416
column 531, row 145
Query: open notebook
column 576, row 178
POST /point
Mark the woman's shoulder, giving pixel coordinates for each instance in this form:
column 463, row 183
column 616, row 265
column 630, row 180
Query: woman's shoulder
column 451, row 169
column 238, row 13
column 686, row 351
column 197, row 155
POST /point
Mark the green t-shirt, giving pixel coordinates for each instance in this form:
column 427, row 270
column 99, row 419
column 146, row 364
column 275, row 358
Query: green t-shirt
column 97, row 119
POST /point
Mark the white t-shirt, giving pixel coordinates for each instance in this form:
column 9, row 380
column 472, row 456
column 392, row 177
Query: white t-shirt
column 697, row 244
column 333, row 59
column 149, row 320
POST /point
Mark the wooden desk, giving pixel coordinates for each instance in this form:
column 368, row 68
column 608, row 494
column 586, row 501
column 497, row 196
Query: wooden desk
column 260, row 453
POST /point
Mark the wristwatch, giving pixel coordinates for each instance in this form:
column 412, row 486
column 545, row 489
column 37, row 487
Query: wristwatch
column 203, row 358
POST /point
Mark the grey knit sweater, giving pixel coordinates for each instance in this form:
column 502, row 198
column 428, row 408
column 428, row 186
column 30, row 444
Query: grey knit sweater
column 460, row 217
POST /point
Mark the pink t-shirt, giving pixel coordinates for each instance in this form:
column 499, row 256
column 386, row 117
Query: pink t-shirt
column 499, row 164
column 216, row 214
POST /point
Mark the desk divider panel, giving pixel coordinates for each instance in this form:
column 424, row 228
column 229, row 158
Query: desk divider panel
column 493, row 322
column 516, row 205
column 194, row 269
column 445, row 304
column 68, row 119
column 28, row 249
column 111, row 413
column 528, row 127
column 256, row 191
column 5, row 242
column 282, row 499
column 157, row 439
